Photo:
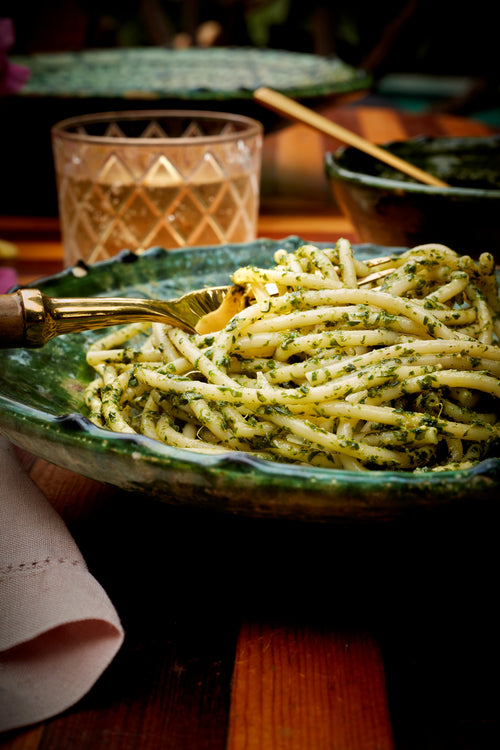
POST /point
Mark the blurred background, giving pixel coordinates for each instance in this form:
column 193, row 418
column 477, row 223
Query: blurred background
column 421, row 53
column 420, row 56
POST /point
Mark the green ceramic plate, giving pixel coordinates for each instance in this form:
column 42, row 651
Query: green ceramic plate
column 191, row 74
column 41, row 405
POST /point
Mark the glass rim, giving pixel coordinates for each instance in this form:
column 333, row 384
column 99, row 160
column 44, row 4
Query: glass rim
column 60, row 129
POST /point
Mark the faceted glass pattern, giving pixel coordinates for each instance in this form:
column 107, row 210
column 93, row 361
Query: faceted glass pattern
column 140, row 179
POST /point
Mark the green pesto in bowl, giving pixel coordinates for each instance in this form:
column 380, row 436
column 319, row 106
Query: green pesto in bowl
column 388, row 207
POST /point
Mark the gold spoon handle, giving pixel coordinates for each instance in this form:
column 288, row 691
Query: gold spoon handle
column 286, row 106
column 29, row 318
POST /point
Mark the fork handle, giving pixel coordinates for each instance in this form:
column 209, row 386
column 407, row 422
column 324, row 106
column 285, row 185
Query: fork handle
column 29, row 318
column 21, row 313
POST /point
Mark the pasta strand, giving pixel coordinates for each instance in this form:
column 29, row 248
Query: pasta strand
column 399, row 374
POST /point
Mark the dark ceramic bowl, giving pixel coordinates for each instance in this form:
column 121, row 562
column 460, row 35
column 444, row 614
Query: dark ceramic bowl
column 388, row 208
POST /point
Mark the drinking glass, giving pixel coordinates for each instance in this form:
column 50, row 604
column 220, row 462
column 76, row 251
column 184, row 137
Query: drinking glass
column 133, row 180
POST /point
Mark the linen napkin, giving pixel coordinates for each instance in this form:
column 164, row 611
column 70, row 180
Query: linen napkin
column 58, row 629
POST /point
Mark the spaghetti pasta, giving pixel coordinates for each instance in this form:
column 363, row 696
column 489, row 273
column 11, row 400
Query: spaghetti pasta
column 401, row 373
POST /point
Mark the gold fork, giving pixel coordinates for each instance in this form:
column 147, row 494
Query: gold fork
column 29, row 318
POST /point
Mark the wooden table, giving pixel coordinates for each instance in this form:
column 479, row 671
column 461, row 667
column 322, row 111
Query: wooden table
column 263, row 635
